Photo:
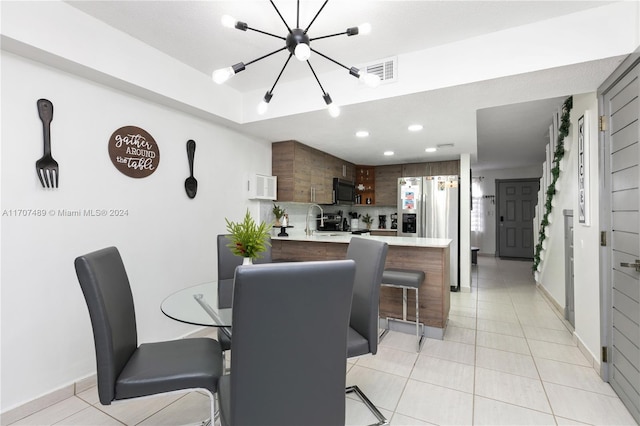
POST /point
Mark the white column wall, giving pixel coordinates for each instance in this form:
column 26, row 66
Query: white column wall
column 465, row 223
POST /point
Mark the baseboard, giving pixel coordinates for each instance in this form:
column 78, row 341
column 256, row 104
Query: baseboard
column 559, row 308
column 593, row 360
column 37, row 404
column 75, row 388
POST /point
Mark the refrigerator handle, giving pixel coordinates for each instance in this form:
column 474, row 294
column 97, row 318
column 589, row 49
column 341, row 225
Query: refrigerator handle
column 423, row 212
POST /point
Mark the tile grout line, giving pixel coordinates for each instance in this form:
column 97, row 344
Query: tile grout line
column 475, row 353
column 544, row 389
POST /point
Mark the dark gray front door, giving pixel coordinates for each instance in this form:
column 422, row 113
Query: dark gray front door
column 517, row 200
column 621, row 111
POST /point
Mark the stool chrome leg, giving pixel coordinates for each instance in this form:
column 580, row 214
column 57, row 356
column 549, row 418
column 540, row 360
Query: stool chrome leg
column 419, row 337
column 404, row 304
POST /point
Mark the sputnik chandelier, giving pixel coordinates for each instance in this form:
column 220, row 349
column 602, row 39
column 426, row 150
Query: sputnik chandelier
column 298, row 43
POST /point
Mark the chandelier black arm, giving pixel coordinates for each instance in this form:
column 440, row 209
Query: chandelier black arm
column 266, row 33
column 332, row 60
column 280, row 15
column 281, row 71
column 265, row 56
column 318, row 80
column 330, row 35
column 314, row 18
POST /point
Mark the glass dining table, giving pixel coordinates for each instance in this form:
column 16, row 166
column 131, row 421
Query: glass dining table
column 198, row 305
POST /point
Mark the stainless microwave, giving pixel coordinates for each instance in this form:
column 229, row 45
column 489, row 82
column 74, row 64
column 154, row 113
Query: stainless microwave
column 344, row 191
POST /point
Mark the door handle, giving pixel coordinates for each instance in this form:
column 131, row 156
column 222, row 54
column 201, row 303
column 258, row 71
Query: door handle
column 635, row 265
column 501, row 218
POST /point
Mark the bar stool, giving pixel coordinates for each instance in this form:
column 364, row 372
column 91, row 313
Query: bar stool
column 405, row 279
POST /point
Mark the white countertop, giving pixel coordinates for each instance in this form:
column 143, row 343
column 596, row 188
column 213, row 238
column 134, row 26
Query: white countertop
column 345, row 237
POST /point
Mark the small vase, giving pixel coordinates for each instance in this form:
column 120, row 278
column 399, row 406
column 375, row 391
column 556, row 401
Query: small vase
column 247, row 261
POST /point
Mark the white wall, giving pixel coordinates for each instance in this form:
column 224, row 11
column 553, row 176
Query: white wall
column 485, row 239
column 586, row 237
column 167, row 240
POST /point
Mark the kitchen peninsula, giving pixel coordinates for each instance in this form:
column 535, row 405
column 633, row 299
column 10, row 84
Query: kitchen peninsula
column 430, row 255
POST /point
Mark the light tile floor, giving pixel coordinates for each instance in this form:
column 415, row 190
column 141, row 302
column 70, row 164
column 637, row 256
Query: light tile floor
column 507, row 358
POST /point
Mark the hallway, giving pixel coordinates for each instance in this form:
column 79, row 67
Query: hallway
column 507, row 358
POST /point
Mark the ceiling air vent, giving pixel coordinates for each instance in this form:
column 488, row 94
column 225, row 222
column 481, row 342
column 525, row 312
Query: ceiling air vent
column 386, row 69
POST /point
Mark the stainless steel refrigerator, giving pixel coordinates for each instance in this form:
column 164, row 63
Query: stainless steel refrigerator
column 428, row 206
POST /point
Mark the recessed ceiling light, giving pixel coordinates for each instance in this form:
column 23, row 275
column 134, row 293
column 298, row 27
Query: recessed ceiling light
column 388, row 153
column 431, row 150
column 415, row 127
column 362, row 133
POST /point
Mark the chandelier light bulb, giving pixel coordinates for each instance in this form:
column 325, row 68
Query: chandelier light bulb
column 228, row 21
column 264, row 104
column 223, row 74
column 364, row 29
column 334, row 110
column 370, row 80
column 262, row 107
column 302, row 52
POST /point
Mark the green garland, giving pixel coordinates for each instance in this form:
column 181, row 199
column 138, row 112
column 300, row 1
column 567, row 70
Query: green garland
column 563, row 131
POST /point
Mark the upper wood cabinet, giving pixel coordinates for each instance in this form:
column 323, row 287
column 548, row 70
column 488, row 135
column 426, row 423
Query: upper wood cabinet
column 444, row 168
column 306, row 174
column 437, row 168
column 387, row 184
column 338, row 168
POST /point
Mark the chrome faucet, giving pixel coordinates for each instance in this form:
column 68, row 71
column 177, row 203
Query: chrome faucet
column 307, row 230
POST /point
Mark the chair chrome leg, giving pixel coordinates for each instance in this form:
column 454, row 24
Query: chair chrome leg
column 382, row 420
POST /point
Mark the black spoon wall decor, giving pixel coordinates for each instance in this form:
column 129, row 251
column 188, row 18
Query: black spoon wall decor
column 191, row 184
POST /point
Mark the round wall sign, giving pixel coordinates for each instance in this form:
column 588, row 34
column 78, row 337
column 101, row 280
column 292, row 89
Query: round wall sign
column 134, row 152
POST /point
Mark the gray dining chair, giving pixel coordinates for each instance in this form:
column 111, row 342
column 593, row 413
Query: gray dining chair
column 227, row 264
column 125, row 369
column 290, row 323
column 370, row 257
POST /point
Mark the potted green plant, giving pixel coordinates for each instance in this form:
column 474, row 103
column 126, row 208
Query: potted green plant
column 278, row 212
column 248, row 239
column 368, row 220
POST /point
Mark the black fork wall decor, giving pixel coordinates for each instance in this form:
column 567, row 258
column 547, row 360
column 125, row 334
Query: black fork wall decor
column 47, row 167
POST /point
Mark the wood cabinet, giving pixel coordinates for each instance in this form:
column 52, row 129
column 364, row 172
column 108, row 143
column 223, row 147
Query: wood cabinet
column 444, row 168
column 338, row 168
column 437, row 168
column 387, row 184
column 434, row 298
column 306, row 174
column 366, row 185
